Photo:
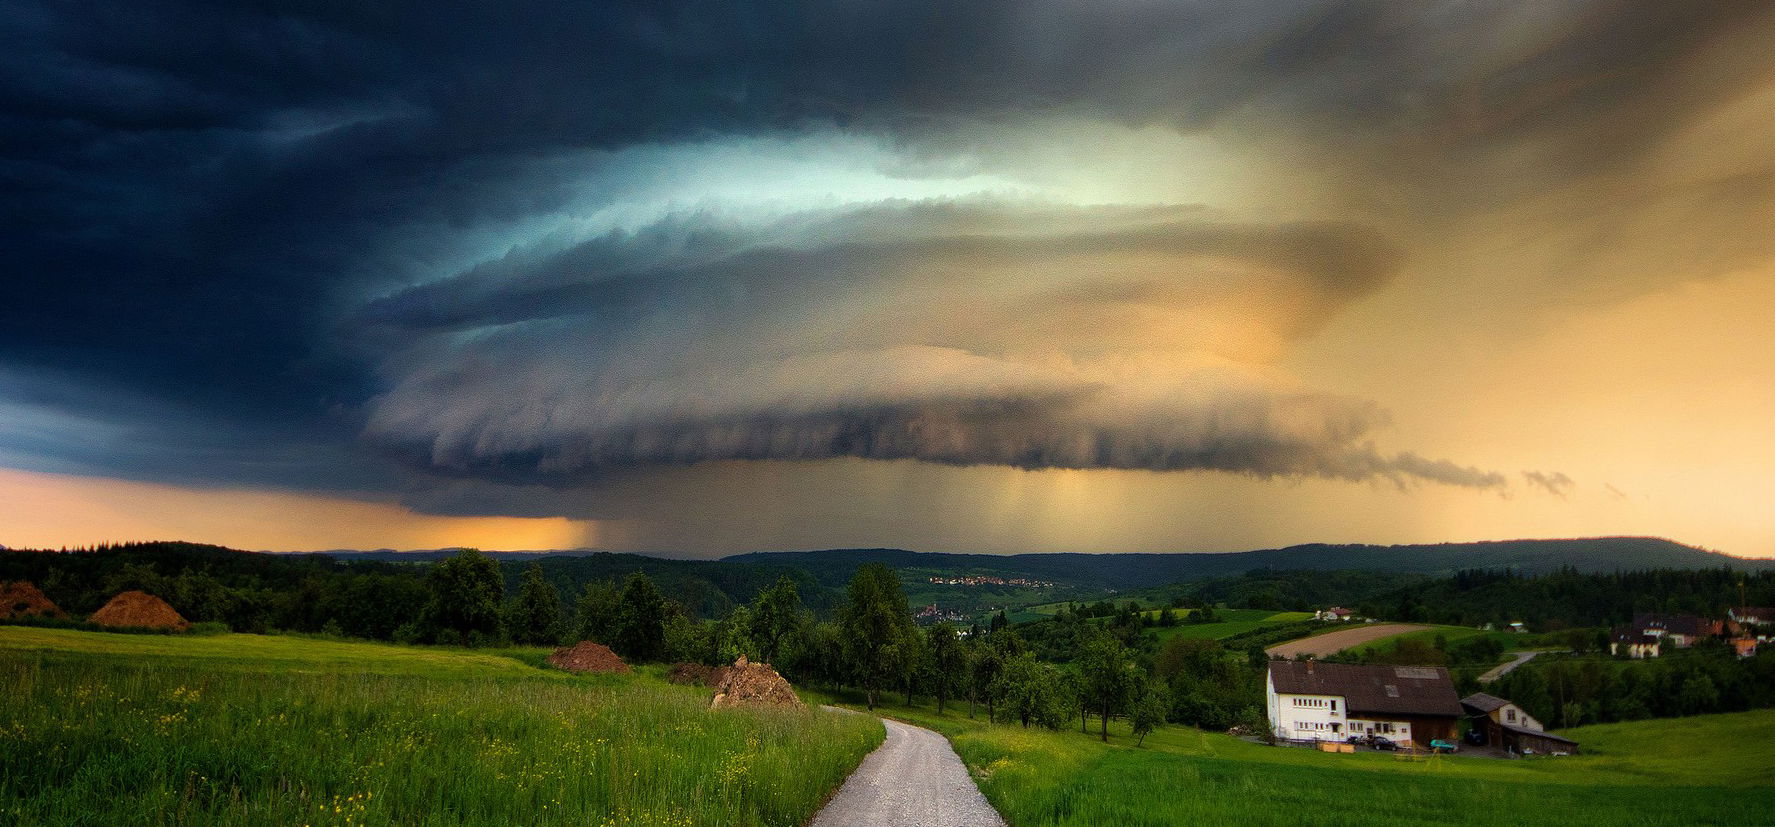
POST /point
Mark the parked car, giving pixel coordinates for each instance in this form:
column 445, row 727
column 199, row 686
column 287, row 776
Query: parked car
column 1381, row 742
column 1356, row 739
column 1439, row 745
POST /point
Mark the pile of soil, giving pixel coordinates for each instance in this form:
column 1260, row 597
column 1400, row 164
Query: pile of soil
column 139, row 609
column 22, row 599
column 753, row 684
column 586, row 656
column 696, row 674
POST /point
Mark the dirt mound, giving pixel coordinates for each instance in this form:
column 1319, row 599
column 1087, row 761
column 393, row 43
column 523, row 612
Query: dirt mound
column 753, row 684
column 696, row 674
column 139, row 609
column 586, row 656
column 22, row 599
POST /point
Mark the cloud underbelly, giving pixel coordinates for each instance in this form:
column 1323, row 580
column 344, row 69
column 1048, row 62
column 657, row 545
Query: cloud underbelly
column 964, row 332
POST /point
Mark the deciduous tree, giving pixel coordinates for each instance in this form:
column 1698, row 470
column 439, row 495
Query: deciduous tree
column 465, row 595
column 535, row 614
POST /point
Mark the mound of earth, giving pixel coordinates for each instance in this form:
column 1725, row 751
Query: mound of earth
column 696, row 674
column 139, row 609
column 753, row 684
column 23, row 599
column 586, row 656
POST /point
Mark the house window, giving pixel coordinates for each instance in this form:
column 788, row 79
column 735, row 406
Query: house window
column 1510, row 715
column 1334, row 706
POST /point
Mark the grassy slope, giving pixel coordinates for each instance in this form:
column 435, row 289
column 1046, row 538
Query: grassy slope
column 1236, row 621
column 1703, row 770
column 1453, row 634
column 135, row 729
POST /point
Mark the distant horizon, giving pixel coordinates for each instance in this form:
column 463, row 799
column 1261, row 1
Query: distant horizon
column 670, row 555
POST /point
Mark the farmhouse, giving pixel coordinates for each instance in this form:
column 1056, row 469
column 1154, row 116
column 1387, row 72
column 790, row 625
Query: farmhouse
column 1412, row 705
column 1678, row 631
column 1503, row 724
column 1334, row 613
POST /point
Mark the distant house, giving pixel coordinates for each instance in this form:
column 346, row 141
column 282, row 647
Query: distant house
column 1518, row 627
column 1635, row 643
column 1505, row 725
column 1677, row 631
column 1334, row 613
column 1746, row 647
column 1412, row 705
column 1753, row 621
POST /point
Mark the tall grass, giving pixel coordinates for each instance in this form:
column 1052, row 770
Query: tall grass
column 87, row 739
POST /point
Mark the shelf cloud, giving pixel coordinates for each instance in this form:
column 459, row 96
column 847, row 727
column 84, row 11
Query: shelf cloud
column 378, row 251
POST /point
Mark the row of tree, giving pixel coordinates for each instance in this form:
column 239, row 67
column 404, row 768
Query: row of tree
column 1706, row 679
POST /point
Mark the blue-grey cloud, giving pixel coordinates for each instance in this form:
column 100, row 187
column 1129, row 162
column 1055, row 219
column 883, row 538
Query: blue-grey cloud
column 959, row 333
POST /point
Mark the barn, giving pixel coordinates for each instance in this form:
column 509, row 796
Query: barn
column 1504, row 725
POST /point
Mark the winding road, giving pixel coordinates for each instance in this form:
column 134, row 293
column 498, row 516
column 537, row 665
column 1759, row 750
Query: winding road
column 914, row 779
column 1507, row 668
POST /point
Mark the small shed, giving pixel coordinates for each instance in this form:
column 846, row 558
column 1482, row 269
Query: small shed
column 1502, row 724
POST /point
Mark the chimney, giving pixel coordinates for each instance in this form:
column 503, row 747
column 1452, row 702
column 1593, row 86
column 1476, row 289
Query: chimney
column 1309, row 667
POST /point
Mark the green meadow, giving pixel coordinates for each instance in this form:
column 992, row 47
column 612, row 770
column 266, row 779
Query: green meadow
column 105, row 729
column 1452, row 635
column 1232, row 622
column 1703, row 770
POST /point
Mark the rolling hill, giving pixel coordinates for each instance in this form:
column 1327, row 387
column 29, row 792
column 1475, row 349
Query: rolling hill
column 1121, row 571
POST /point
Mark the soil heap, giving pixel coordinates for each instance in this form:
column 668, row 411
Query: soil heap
column 139, row 609
column 696, row 674
column 22, row 599
column 586, row 656
column 753, row 684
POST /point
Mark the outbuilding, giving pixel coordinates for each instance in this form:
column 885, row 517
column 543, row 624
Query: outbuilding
column 1506, row 726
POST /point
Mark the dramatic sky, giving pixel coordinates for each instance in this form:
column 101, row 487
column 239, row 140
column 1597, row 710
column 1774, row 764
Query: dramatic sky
column 977, row 276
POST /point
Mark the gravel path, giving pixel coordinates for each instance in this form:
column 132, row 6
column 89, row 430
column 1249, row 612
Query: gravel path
column 914, row 779
column 1331, row 643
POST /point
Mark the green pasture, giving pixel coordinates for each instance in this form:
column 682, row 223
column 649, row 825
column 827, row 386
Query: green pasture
column 102, row 729
column 1703, row 770
column 1234, row 622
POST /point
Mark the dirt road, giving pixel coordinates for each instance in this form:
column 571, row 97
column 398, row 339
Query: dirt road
column 914, row 779
column 1333, row 642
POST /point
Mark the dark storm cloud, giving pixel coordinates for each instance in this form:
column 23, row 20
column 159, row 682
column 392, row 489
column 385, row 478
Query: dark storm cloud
column 796, row 344
column 622, row 273
column 194, row 198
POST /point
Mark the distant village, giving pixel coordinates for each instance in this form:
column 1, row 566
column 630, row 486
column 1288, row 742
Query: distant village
column 932, row 614
column 989, row 580
column 1743, row 628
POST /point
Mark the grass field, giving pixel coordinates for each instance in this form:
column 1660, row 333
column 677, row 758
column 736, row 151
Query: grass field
column 1234, row 622
column 108, row 729
column 1705, row 770
column 1452, row 634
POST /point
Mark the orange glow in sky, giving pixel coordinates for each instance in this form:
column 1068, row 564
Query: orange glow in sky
column 52, row 510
